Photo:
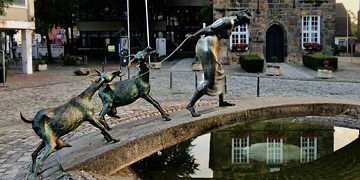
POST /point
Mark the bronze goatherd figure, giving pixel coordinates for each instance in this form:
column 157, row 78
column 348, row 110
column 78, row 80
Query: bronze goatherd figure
column 207, row 50
column 126, row 92
column 52, row 123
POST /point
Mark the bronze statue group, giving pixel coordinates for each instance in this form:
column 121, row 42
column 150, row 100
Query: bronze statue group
column 52, row 123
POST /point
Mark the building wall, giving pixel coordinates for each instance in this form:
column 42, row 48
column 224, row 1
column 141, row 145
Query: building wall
column 19, row 17
column 285, row 13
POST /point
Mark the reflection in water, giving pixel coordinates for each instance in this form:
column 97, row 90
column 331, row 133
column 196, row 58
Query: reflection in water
column 172, row 162
column 248, row 150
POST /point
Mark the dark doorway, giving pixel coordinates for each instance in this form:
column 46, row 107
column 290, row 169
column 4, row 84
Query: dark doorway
column 275, row 43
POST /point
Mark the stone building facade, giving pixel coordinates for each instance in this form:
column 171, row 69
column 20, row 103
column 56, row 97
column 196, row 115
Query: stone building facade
column 279, row 28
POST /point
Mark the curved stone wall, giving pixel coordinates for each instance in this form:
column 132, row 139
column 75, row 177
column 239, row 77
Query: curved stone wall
column 147, row 136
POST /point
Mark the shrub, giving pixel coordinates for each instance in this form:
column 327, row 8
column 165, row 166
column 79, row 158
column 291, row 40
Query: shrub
column 73, row 60
column 251, row 63
column 314, row 61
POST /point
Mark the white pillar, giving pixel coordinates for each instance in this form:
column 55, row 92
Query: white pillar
column 26, row 52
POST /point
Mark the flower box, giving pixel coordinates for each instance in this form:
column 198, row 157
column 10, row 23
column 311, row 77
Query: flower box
column 325, row 74
column 155, row 65
column 41, row 67
column 273, row 70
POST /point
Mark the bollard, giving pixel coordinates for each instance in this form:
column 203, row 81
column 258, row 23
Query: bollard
column 225, row 85
column 105, row 61
column 170, row 78
column 120, row 71
column 128, row 69
column 258, row 85
column 103, row 67
column 195, row 80
column 3, row 68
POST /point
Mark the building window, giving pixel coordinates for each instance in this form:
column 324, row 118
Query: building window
column 308, row 151
column 310, row 29
column 274, row 150
column 240, row 150
column 240, row 35
column 19, row 3
column 342, row 42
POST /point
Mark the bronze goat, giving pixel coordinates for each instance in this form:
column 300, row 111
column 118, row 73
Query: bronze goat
column 52, row 123
column 126, row 92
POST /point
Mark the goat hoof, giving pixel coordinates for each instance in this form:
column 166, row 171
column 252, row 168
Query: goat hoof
column 116, row 140
column 167, row 119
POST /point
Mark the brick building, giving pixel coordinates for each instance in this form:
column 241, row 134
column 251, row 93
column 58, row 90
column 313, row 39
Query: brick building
column 279, row 28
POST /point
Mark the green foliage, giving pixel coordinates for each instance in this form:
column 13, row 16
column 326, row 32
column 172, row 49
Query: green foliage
column 5, row 4
column 251, row 63
column 39, row 61
column 314, row 61
column 73, row 60
column 206, row 14
column 274, row 59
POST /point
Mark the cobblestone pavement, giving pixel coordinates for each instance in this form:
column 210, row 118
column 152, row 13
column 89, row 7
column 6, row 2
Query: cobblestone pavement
column 30, row 93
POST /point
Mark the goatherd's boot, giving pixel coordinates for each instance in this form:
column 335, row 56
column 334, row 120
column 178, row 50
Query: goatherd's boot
column 190, row 106
column 223, row 103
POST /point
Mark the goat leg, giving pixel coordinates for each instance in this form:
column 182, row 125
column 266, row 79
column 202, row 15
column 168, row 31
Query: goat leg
column 49, row 148
column 96, row 122
column 35, row 154
column 149, row 99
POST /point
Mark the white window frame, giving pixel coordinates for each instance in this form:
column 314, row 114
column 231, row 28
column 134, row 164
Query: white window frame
column 235, row 37
column 274, row 150
column 308, row 149
column 20, row 6
column 240, row 150
column 310, row 30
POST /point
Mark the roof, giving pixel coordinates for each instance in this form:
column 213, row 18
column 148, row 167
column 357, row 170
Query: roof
column 340, row 21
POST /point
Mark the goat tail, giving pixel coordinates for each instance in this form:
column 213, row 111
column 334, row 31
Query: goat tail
column 24, row 118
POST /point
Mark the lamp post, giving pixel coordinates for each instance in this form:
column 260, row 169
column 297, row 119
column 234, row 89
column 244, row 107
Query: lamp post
column 147, row 27
column 128, row 33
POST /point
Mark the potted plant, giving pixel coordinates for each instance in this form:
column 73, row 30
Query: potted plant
column 40, row 65
column 273, row 70
column 325, row 72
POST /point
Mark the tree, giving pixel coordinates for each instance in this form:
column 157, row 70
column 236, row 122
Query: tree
column 67, row 17
column 5, row 4
column 353, row 21
column 45, row 17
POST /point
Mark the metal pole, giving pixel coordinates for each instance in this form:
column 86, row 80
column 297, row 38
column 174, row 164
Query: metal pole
column 128, row 68
column 129, row 34
column 170, row 78
column 258, row 85
column 105, row 61
column 347, row 32
column 120, row 69
column 103, row 67
column 351, row 52
column 3, row 63
column 195, row 80
column 147, row 27
column 225, row 85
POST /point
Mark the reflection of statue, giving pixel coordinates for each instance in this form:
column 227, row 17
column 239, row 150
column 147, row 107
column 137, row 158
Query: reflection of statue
column 207, row 50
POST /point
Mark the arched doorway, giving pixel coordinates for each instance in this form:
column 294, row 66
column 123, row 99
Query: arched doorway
column 275, row 43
